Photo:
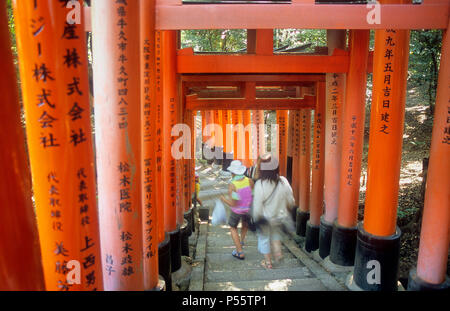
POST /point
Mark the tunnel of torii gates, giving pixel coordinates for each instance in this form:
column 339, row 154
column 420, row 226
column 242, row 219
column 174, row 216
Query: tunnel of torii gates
column 121, row 212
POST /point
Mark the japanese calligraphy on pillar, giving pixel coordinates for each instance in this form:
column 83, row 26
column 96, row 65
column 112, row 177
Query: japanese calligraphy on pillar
column 148, row 176
column 296, row 147
column 317, row 140
column 53, row 68
column 118, row 140
column 388, row 73
column 351, row 151
column 446, row 132
column 334, row 107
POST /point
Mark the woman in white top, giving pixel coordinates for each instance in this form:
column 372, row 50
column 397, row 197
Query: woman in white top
column 272, row 199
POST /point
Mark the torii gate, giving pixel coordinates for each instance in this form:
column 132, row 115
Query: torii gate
column 137, row 75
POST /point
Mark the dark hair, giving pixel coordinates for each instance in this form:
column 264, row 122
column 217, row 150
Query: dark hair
column 268, row 174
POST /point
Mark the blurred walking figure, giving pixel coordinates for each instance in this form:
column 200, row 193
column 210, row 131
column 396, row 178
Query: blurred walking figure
column 240, row 200
column 273, row 197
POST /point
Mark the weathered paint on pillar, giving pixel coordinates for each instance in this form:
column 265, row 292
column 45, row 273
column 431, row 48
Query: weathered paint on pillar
column 53, row 68
column 305, row 159
column 148, row 115
column 282, row 120
column 434, row 236
column 353, row 129
column 316, row 209
column 169, row 120
column 386, row 130
column 118, row 140
column 335, row 88
column 20, row 267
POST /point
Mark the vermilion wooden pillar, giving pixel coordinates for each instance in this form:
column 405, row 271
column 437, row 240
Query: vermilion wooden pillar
column 335, row 88
column 282, row 121
column 434, row 236
column 290, row 144
column 240, row 150
column 304, row 171
column 343, row 239
column 259, row 146
column 296, row 156
column 53, row 69
column 148, row 116
column 169, row 120
column 235, row 120
column 379, row 236
column 218, row 132
column 316, row 202
column 20, row 267
column 247, row 120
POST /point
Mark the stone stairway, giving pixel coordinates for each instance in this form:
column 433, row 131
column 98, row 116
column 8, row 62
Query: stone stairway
column 215, row 269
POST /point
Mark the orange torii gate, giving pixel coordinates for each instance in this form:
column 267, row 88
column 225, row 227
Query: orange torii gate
column 123, row 155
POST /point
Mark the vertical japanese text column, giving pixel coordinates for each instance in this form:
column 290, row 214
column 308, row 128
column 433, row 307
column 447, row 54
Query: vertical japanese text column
column 296, row 156
column 53, row 68
column 290, row 144
column 316, row 202
column 282, row 120
column 434, row 236
column 335, row 88
column 115, row 27
column 304, row 171
column 343, row 239
column 20, row 267
column 148, row 115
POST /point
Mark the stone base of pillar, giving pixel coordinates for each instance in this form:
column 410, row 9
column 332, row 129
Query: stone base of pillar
column 326, row 230
column 175, row 249
column 185, row 233
column 189, row 217
column 415, row 283
column 301, row 219
column 377, row 261
column 164, row 262
column 312, row 237
column 343, row 245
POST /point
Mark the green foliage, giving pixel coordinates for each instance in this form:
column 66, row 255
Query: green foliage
column 425, row 51
column 234, row 40
column 296, row 37
column 11, row 26
column 214, row 40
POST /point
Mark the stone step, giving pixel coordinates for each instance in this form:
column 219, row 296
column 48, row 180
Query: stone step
column 248, row 249
column 224, row 262
column 258, row 274
column 267, row 285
